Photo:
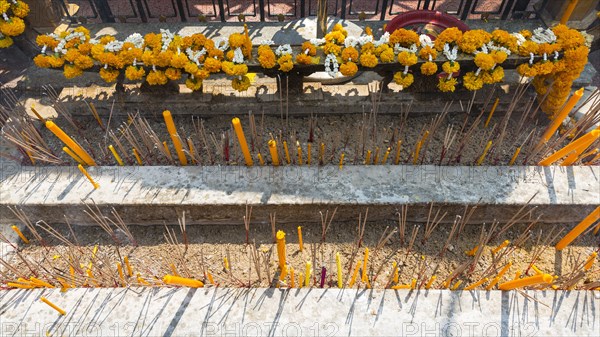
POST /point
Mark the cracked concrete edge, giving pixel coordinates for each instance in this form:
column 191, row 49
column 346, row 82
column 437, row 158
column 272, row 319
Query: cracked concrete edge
column 295, row 312
column 219, row 194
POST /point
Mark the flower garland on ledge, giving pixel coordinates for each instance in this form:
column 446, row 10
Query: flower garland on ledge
column 167, row 56
column 12, row 13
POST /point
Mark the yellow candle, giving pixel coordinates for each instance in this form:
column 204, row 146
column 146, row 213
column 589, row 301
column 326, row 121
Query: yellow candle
column 85, row 173
column 64, row 284
column 472, row 252
column 456, row 285
column 121, row 276
column 594, row 134
column 53, row 306
column 96, row 115
column 39, row 117
column 308, row 153
column 137, row 156
column 41, row 283
column 413, row 284
column 182, row 281
column 291, row 277
column 395, row 271
column 116, row 155
column 518, row 274
column 590, row 261
column 580, row 228
column 430, row 282
column 307, row 274
column 514, row 157
column 192, row 149
column 18, row 231
column 273, row 151
column 175, row 137
column 129, row 270
column 504, row 270
column 174, row 270
column 81, row 153
column 237, row 126
column 527, row 281
column 364, row 268
column 321, row 153
column 260, row 159
column 487, row 121
column 560, row 116
column 397, row 159
column 368, row 158
column 30, row 156
column 72, row 273
column 287, row 152
column 574, row 155
column 386, row 155
column 299, row 154
column 354, row 275
column 477, row 284
column 536, row 269
column 485, row 151
column 210, row 277
column 141, row 280
column 338, row 262
column 502, row 245
column 300, row 238
column 341, row 161
column 167, row 150
column 300, row 280
column 376, row 157
column 568, row 11
column 19, row 285
column 281, row 249
column 417, row 150
column 402, row 286
column 226, row 263
column 493, row 283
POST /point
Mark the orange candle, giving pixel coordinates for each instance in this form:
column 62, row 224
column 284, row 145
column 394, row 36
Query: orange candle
column 174, row 137
column 273, row 151
column 487, row 121
column 239, row 132
column 592, row 135
column 580, row 228
column 527, row 281
column 574, row 155
column 430, row 282
column 116, row 155
column 287, row 152
column 560, row 117
column 568, row 11
column 281, row 249
column 16, row 229
column 87, row 175
column 477, row 284
column 300, row 238
column 182, row 281
column 590, row 261
column 53, row 306
column 81, row 153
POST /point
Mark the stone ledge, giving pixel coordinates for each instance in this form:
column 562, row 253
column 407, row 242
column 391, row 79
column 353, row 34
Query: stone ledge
column 298, row 312
column 218, row 195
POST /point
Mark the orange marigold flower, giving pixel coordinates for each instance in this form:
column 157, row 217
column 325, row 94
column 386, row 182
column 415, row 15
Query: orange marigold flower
column 368, row 60
column 429, row 68
column 349, row 54
column 348, row 68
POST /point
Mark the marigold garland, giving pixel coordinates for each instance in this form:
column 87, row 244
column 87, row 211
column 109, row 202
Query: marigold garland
column 12, row 24
column 348, row 68
column 405, row 80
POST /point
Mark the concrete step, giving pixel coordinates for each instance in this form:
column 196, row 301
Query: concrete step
column 219, row 194
column 298, row 312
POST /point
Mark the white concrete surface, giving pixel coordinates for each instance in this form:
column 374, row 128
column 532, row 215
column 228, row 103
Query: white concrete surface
column 298, row 312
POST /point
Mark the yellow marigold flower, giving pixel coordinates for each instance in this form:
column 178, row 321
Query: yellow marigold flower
column 202, row 74
column 368, row 60
column 212, row 65
column 163, row 59
column 229, row 55
column 6, row 42
column 303, row 59
column 194, row 84
column 153, row 41
column 473, row 40
column 335, row 37
column 266, row 57
column 505, row 39
column 526, row 34
column 86, row 48
column 427, row 51
column 45, row 40
column 404, row 80
column 173, row 73
column 543, row 68
column 84, row 62
column 157, row 78
column 226, row 66
column 369, row 31
column 472, row 82
column 212, row 53
column 109, row 75
column 499, row 56
column 42, row 61
column 407, row 59
column 450, row 36
column 368, row 47
column 450, row 67
column 179, row 60
column 71, row 55
column 349, row 54
column 559, row 66
column 484, row 61
column 85, row 31
column 547, row 48
column 568, row 38
column 381, row 48
column 404, row 37
column 285, row 63
column 528, row 47
column 332, row 48
column 106, row 39
column 56, row 62
column 339, row 28
column 429, row 68
column 240, row 69
column 71, row 71
column 20, row 9
column 348, row 68
column 4, row 6
column 191, row 68
column 497, row 74
column 13, row 27
column 447, row 85
column 241, row 84
column 312, row 49
column 387, row 55
column 134, row 73
column 236, row 40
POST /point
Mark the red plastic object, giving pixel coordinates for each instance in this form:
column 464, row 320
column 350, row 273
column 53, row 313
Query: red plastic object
column 423, row 18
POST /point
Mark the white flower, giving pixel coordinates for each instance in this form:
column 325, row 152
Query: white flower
column 412, row 49
column 266, row 42
column 5, row 17
column 194, row 55
column 317, row 42
column 238, row 55
column 221, row 43
column 283, row 49
column 451, row 55
column 541, row 35
column 425, row 40
column 490, row 45
column 331, row 65
column 364, row 39
column 351, row 41
column 137, row 40
column 520, row 38
column 114, row 46
column 166, row 37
